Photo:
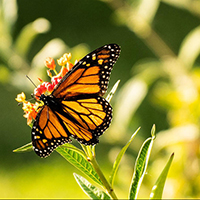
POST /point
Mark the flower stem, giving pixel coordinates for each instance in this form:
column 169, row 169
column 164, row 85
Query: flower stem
column 101, row 175
column 55, row 72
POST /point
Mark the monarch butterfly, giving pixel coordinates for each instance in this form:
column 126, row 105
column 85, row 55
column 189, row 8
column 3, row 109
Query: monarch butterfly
column 76, row 107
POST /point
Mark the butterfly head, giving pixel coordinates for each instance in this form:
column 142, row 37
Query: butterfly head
column 44, row 98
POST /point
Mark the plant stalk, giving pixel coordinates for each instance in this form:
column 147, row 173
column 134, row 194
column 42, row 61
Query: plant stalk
column 102, row 177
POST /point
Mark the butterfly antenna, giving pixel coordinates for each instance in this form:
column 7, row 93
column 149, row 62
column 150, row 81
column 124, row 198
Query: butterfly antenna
column 31, row 80
column 32, row 95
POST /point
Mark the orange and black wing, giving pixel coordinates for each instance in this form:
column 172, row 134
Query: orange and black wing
column 89, row 118
column 90, row 75
column 82, row 119
column 48, row 132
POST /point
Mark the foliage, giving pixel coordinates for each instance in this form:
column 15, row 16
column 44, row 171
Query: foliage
column 86, row 162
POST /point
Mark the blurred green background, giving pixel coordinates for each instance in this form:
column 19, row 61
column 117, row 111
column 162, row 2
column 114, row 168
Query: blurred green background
column 159, row 69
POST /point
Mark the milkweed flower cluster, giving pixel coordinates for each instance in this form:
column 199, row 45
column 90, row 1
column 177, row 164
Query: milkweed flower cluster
column 31, row 109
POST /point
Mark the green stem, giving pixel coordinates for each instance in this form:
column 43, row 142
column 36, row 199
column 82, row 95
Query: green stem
column 55, row 72
column 102, row 177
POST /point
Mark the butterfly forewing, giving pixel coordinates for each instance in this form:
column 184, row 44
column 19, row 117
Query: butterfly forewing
column 76, row 107
column 90, row 75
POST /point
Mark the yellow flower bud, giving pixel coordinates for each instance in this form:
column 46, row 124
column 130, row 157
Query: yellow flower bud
column 21, row 97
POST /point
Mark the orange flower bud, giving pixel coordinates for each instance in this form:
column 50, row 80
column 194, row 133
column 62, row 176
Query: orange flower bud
column 30, row 110
column 50, row 63
column 40, row 80
column 30, row 115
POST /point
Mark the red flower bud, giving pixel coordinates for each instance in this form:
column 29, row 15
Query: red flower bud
column 55, row 80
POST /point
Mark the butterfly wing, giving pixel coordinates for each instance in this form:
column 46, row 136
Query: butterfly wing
column 89, row 118
column 48, row 132
column 83, row 119
column 90, row 75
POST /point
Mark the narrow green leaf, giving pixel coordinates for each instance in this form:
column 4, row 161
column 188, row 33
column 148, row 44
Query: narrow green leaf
column 77, row 158
column 140, row 167
column 112, row 92
column 153, row 130
column 157, row 189
column 26, row 147
column 119, row 157
column 91, row 190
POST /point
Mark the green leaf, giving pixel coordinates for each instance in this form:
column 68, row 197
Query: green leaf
column 77, row 158
column 26, row 147
column 153, row 130
column 112, row 92
column 157, row 189
column 119, row 157
column 72, row 147
column 91, row 190
column 141, row 166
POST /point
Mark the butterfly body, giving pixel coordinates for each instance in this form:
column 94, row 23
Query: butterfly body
column 76, row 107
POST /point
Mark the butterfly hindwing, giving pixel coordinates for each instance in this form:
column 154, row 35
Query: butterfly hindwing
column 48, row 132
column 89, row 118
column 82, row 119
column 90, row 75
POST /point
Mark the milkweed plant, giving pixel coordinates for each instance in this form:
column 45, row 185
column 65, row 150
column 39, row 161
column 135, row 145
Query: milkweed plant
column 84, row 158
